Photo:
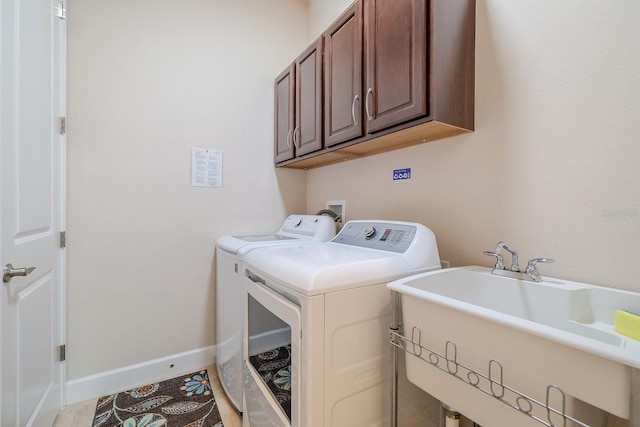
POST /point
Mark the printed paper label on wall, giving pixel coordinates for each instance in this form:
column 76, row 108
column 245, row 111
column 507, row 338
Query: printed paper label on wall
column 206, row 167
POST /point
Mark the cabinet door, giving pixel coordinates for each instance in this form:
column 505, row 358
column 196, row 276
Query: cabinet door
column 396, row 62
column 343, row 77
column 307, row 134
column 284, row 120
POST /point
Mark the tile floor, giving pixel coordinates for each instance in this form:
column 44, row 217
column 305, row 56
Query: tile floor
column 81, row 414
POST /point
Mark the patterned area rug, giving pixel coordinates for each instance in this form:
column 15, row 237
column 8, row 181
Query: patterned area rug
column 185, row 401
column 274, row 366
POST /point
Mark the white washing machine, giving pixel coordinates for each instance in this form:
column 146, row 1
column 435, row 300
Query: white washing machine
column 323, row 357
column 231, row 250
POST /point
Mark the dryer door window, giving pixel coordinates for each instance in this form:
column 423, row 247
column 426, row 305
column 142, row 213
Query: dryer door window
column 273, row 348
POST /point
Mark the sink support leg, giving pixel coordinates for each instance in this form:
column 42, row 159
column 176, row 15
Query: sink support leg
column 395, row 326
column 634, row 398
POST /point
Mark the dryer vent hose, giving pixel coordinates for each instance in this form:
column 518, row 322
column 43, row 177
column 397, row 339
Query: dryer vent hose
column 328, row 212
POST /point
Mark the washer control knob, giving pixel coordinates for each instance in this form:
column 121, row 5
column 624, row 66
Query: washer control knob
column 299, row 223
column 370, row 232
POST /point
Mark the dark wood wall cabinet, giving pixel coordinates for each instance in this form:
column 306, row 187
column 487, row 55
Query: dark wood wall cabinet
column 385, row 75
column 298, row 106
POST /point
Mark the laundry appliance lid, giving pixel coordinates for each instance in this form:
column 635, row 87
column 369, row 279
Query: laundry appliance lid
column 317, row 268
column 346, row 261
column 294, row 228
column 235, row 243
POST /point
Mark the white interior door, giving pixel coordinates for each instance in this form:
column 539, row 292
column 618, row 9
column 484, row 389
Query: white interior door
column 32, row 210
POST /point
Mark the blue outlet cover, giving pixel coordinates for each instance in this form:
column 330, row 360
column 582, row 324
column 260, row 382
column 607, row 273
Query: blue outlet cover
column 402, row 174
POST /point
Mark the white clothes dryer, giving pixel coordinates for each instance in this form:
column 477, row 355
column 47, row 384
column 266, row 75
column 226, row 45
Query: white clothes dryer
column 231, row 250
column 317, row 352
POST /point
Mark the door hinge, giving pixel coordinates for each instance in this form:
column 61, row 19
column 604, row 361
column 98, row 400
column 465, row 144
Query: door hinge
column 63, row 352
column 63, row 239
column 63, row 125
column 62, row 11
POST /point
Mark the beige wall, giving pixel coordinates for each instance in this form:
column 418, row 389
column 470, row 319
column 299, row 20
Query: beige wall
column 553, row 167
column 148, row 80
column 322, row 13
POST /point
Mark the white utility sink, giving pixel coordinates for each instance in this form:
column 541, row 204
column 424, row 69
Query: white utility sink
column 538, row 338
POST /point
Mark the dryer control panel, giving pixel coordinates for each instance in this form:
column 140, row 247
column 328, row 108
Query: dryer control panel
column 387, row 236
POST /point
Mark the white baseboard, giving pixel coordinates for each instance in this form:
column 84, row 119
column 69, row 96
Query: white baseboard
column 116, row 380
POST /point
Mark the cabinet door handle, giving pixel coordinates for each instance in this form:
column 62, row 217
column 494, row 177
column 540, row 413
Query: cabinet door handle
column 289, row 139
column 353, row 109
column 296, row 138
column 366, row 103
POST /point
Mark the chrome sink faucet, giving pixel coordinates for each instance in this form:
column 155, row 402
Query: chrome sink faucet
column 514, row 255
column 531, row 272
column 500, row 259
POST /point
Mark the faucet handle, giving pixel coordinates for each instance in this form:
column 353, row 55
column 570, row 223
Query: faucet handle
column 533, row 271
column 499, row 259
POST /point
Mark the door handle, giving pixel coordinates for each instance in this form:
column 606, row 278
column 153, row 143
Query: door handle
column 9, row 272
column 353, row 109
column 254, row 278
column 296, row 138
column 368, row 97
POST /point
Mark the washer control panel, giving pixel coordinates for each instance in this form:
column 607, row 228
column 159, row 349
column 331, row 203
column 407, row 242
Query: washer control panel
column 318, row 227
column 386, row 236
